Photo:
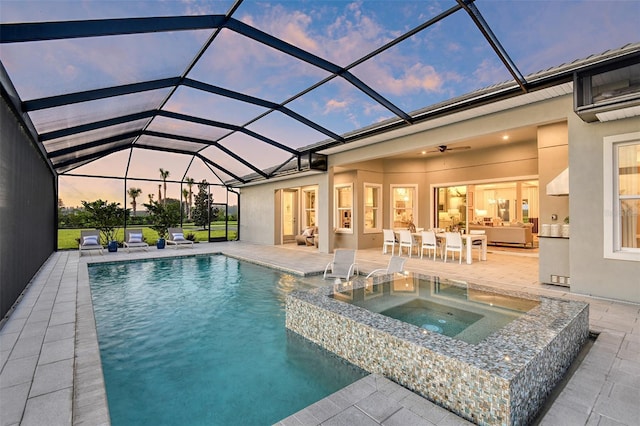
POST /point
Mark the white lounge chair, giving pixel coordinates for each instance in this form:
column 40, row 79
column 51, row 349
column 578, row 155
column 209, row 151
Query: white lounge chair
column 396, row 264
column 90, row 240
column 133, row 239
column 177, row 238
column 343, row 265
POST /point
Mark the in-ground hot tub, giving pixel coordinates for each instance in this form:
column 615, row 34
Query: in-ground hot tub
column 502, row 357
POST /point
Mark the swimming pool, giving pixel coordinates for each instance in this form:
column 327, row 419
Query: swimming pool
column 201, row 340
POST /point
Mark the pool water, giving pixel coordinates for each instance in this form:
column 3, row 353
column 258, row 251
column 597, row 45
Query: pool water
column 201, row 341
column 433, row 316
column 438, row 305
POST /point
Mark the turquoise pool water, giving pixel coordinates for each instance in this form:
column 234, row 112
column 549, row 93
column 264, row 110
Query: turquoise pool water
column 433, row 316
column 201, row 341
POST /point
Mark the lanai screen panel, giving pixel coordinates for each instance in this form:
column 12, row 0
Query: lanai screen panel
column 269, row 80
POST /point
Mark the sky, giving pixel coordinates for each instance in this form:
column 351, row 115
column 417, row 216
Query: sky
column 449, row 59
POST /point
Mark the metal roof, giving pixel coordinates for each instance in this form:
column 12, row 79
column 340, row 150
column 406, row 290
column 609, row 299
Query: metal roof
column 248, row 91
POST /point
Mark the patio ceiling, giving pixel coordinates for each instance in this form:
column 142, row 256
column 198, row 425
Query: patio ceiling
column 249, row 91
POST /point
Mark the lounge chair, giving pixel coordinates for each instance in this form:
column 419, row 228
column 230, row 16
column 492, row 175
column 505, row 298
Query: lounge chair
column 176, row 238
column 396, row 264
column 343, row 265
column 90, row 240
column 133, row 239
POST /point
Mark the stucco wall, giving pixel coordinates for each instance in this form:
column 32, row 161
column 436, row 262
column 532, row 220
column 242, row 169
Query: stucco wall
column 259, row 208
column 590, row 272
column 27, row 210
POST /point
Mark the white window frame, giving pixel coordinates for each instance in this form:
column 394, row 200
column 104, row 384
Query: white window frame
column 377, row 208
column 306, row 209
column 612, row 243
column 414, row 206
column 340, row 211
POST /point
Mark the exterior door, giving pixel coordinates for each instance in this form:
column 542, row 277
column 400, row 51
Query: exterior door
column 289, row 215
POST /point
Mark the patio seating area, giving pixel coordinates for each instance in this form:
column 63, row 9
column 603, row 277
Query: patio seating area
column 51, row 369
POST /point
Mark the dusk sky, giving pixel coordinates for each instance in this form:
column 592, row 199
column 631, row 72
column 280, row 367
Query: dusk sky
column 449, row 59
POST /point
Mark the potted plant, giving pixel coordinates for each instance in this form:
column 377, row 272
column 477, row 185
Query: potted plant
column 163, row 216
column 107, row 218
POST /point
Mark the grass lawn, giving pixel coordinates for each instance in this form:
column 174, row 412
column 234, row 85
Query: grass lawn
column 68, row 238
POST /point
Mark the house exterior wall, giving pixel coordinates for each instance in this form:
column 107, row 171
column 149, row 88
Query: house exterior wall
column 563, row 139
column 260, row 208
column 590, row 272
column 27, row 210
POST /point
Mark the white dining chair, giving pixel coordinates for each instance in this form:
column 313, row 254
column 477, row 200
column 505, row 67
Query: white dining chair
column 389, row 240
column 406, row 240
column 477, row 243
column 453, row 244
column 429, row 242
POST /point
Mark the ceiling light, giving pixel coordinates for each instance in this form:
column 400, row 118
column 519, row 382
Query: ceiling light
column 505, row 137
column 423, row 152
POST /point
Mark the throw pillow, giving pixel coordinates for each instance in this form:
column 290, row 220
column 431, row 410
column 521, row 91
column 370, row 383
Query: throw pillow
column 135, row 238
column 90, row 240
column 178, row 236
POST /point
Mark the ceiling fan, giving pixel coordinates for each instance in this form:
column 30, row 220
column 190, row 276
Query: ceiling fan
column 444, row 148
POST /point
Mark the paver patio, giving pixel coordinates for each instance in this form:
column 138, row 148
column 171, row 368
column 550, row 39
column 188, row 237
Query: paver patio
column 51, row 372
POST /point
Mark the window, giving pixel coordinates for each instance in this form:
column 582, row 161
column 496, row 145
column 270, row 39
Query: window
column 622, row 197
column 372, row 211
column 309, row 200
column 343, row 205
column 404, row 205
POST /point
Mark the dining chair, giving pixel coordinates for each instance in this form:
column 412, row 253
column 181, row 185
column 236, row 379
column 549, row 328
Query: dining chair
column 453, row 243
column 389, row 240
column 429, row 242
column 477, row 243
column 406, row 240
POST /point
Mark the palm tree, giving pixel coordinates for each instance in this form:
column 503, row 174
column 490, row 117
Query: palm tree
column 185, row 196
column 190, row 182
column 159, row 193
column 150, row 197
column 134, row 193
column 164, row 174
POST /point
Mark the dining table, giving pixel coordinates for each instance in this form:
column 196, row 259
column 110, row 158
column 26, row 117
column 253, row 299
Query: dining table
column 467, row 238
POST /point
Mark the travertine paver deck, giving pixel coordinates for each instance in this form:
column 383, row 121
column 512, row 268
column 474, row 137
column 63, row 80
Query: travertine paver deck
column 51, row 373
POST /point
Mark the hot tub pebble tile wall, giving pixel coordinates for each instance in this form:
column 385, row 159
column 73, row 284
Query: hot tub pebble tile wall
column 503, row 380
